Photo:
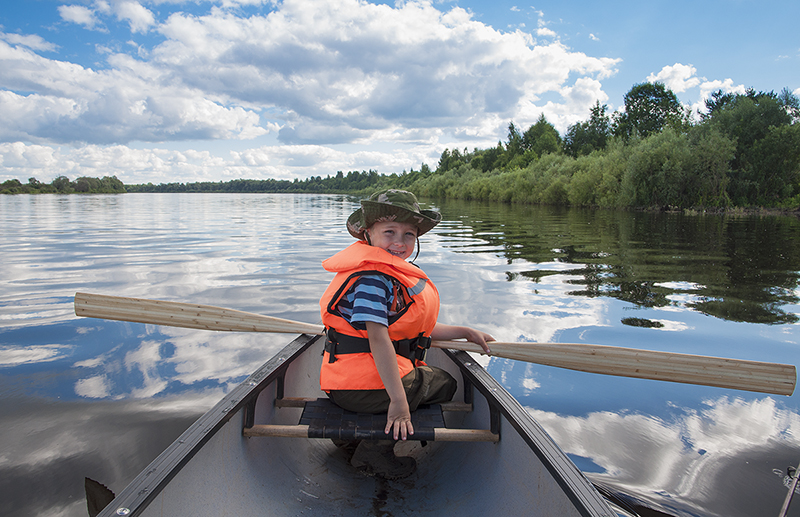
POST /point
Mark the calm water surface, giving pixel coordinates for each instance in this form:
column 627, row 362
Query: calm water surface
column 100, row 399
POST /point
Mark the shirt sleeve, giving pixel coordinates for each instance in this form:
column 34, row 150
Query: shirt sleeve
column 370, row 297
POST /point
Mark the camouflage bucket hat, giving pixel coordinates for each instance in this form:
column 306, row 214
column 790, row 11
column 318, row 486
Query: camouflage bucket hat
column 391, row 205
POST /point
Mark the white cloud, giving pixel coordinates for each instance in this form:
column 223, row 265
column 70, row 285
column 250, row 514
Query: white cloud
column 544, row 31
column 677, row 77
column 228, row 4
column 365, row 68
column 408, row 77
column 727, row 86
column 708, row 87
column 20, row 156
column 132, row 101
column 103, row 7
column 20, row 160
column 78, row 14
column 681, row 78
column 138, row 16
column 31, row 41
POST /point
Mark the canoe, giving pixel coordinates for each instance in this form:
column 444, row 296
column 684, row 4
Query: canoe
column 230, row 462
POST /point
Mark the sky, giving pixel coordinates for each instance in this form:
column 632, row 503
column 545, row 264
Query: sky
column 213, row 90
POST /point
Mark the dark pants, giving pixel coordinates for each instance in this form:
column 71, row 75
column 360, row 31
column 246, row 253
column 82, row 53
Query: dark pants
column 423, row 385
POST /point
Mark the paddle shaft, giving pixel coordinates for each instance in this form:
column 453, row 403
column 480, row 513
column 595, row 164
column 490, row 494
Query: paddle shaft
column 738, row 374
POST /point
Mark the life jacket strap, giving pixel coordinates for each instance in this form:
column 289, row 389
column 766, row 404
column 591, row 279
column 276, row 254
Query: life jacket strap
column 337, row 343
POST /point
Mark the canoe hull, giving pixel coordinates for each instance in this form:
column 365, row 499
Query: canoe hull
column 213, row 470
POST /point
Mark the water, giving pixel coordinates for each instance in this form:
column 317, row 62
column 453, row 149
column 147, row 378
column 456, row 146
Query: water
column 100, row 399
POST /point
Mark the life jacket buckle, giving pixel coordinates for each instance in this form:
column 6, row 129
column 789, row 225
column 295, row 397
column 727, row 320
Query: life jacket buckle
column 330, row 344
column 423, row 344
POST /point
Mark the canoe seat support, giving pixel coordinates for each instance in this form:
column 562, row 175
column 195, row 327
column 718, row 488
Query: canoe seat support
column 322, row 418
column 494, row 412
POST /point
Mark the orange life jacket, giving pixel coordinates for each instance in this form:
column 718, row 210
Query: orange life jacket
column 357, row 371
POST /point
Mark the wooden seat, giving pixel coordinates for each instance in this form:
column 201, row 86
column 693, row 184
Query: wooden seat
column 321, row 418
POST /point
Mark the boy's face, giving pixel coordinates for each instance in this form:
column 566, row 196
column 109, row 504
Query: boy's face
column 396, row 238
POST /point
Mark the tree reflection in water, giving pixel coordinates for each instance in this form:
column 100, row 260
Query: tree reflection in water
column 738, row 268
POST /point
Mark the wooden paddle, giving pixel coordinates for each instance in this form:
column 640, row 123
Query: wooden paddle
column 737, row 374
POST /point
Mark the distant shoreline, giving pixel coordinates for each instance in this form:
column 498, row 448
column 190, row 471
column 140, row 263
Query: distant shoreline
column 725, row 211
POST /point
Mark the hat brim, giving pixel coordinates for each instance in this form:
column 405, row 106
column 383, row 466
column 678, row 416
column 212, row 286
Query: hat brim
column 372, row 212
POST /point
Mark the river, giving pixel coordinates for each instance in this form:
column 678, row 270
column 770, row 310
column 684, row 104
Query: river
column 100, row 399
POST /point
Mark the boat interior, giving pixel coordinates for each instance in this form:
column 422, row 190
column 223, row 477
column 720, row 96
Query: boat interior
column 513, row 468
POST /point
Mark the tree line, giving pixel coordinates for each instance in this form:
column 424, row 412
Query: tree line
column 63, row 185
column 353, row 181
column 743, row 151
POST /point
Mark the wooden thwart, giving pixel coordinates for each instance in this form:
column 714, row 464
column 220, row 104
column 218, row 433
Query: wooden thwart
column 322, row 418
column 440, row 434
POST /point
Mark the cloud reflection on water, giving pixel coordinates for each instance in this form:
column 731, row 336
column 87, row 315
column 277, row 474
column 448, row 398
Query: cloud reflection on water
column 169, row 361
column 15, row 356
column 684, row 459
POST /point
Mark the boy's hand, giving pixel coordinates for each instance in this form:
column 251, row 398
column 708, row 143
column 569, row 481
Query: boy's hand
column 448, row 332
column 479, row 338
column 398, row 420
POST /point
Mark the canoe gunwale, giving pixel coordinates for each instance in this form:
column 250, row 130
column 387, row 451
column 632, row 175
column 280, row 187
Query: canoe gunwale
column 148, row 484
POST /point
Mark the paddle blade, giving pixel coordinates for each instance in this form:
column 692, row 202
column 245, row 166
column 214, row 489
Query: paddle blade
column 774, row 378
column 97, row 496
column 185, row 315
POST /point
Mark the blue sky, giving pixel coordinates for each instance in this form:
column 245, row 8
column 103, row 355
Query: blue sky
column 170, row 90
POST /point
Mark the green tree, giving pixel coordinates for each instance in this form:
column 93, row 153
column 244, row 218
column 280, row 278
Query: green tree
column 489, row 159
column 747, row 119
column 514, row 145
column 677, row 169
column 709, row 168
column 86, row 184
column 586, row 137
column 790, row 103
column 450, row 160
column 62, row 185
column 541, row 138
column 111, row 184
column 12, row 187
column 715, row 102
column 775, row 162
column 649, row 108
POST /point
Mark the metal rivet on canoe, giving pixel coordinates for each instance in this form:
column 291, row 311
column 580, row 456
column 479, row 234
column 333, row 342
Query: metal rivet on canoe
column 123, row 511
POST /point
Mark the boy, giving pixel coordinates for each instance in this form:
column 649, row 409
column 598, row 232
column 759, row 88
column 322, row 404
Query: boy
column 380, row 314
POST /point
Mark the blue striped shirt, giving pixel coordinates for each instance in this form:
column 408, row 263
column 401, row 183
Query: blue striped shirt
column 369, row 299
